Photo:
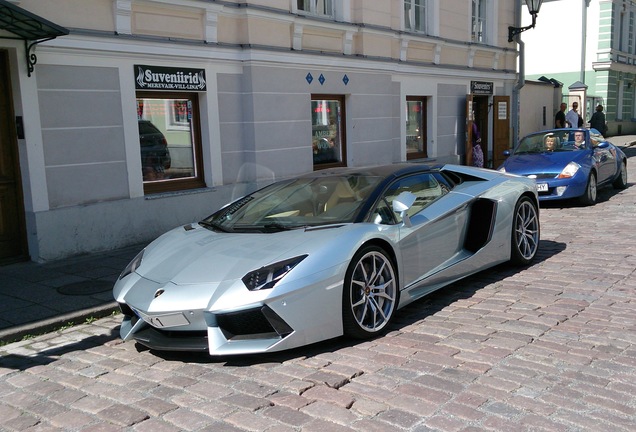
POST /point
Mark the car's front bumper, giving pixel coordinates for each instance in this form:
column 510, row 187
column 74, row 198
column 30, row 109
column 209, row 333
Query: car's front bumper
column 241, row 322
column 559, row 189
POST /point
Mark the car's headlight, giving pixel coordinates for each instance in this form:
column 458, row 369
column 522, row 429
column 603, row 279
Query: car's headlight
column 569, row 170
column 133, row 265
column 267, row 277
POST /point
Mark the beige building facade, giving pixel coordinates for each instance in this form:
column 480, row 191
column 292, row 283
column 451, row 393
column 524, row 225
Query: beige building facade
column 147, row 114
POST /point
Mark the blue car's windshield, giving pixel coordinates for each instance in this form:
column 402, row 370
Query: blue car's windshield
column 295, row 203
column 558, row 140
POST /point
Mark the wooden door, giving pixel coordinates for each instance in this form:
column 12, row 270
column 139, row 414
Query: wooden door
column 501, row 129
column 470, row 117
column 12, row 232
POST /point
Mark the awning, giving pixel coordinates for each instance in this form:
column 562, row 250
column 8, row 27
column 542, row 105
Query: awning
column 31, row 28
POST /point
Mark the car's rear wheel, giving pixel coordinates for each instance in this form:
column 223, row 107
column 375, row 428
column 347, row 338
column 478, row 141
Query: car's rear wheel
column 525, row 232
column 621, row 180
column 589, row 197
column 370, row 293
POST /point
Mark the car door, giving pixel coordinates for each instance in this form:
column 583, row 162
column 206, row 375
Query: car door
column 605, row 157
column 436, row 231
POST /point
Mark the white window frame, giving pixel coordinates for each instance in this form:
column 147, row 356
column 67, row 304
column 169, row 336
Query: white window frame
column 315, row 6
column 413, row 8
column 479, row 20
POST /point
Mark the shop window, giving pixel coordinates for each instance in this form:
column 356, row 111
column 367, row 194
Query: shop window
column 316, row 7
column 169, row 141
column 328, row 131
column 415, row 15
column 416, row 127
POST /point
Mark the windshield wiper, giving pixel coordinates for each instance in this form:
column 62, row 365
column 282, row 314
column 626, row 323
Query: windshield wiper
column 266, row 228
column 214, row 226
column 276, row 227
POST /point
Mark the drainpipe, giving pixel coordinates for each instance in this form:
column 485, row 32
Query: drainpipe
column 586, row 4
column 521, row 79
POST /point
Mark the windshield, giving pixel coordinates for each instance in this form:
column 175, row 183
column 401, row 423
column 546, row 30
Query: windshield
column 560, row 140
column 296, row 203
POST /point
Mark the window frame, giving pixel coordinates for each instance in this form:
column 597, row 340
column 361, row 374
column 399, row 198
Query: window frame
column 479, row 18
column 411, row 15
column 422, row 154
column 342, row 130
column 196, row 181
column 313, row 7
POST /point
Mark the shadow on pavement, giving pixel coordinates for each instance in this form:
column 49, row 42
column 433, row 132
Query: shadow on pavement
column 47, row 356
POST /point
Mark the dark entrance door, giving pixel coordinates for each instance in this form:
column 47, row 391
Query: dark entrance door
column 12, row 232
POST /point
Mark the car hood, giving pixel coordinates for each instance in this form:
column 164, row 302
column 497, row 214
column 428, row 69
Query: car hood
column 195, row 255
column 527, row 164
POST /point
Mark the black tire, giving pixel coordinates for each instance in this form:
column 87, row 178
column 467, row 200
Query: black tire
column 590, row 195
column 621, row 180
column 370, row 293
column 525, row 232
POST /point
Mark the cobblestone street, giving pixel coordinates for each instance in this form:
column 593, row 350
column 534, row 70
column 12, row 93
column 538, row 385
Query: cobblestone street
column 551, row 347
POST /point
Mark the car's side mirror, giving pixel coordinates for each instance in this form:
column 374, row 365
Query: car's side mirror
column 402, row 203
column 603, row 144
column 506, row 153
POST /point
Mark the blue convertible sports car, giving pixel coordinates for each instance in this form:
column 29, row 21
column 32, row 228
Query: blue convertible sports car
column 568, row 163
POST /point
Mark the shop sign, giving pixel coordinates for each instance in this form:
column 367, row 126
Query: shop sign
column 169, row 78
column 481, row 87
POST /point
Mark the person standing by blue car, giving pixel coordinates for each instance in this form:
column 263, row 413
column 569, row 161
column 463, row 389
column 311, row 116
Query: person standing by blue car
column 597, row 121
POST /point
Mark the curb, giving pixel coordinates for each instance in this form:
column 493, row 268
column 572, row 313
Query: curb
column 14, row 334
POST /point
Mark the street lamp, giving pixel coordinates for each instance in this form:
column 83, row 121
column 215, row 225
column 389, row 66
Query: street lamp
column 533, row 8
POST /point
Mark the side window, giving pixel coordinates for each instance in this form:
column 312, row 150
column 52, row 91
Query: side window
column 416, row 127
column 169, row 141
column 328, row 139
column 425, row 187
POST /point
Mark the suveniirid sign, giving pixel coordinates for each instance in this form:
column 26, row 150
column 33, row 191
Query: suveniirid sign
column 169, row 78
column 481, row 87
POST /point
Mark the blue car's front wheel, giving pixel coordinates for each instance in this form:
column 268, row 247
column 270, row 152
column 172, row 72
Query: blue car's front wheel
column 589, row 197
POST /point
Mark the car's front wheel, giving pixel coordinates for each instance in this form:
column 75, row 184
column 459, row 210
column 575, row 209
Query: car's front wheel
column 525, row 232
column 370, row 293
column 589, row 197
column 621, row 180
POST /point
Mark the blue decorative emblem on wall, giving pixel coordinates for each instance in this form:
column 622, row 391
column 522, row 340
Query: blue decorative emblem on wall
column 322, row 79
column 345, row 79
column 309, row 78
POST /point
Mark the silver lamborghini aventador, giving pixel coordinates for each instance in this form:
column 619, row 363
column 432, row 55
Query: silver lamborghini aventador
column 335, row 252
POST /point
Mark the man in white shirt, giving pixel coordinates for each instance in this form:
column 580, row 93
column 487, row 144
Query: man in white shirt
column 572, row 117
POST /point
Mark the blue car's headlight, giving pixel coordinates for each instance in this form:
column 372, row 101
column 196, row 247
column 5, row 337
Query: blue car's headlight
column 133, row 265
column 569, row 170
column 267, row 277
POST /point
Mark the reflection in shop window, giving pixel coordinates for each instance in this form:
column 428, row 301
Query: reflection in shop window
column 168, row 140
column 416, row 128
column 327, row 140
column 180, row 112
